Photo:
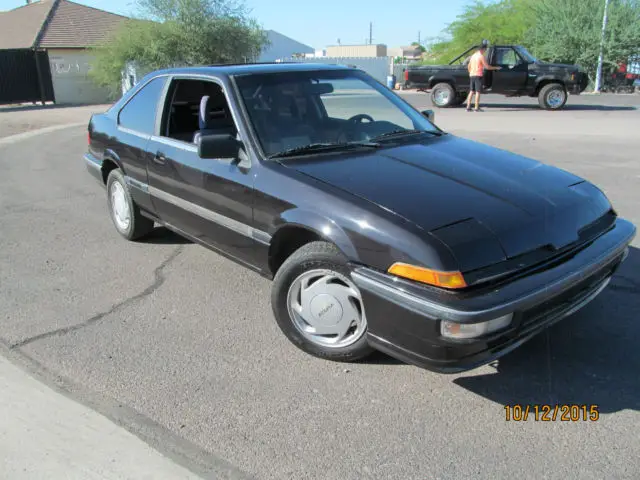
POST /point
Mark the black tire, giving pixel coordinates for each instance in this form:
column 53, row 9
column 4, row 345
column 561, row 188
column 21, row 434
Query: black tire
column 443, row 95
column 312, row 256
column 138, row 226
column 547, row 98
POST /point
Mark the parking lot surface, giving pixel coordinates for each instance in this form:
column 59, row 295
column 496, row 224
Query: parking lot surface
column 179, row 345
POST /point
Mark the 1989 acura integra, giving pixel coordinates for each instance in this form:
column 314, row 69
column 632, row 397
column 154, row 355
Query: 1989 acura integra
column 380, row 230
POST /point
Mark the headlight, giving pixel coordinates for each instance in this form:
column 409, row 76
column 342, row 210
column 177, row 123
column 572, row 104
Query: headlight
column 472, row 330
column 428, row 276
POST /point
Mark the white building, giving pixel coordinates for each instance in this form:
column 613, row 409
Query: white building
column 281, row 46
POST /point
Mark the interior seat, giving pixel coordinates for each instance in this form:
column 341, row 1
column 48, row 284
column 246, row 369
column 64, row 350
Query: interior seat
column 214, row 118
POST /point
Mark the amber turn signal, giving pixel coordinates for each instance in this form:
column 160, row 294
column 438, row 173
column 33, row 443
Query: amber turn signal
column 430, row 277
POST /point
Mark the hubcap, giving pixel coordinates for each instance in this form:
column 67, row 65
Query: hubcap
column 119, row 206
column 555, row 98
column 441, row 96
column 326, row 308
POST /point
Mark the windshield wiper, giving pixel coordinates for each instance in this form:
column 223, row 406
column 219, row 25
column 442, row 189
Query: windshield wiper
column 323, row 147
column 403, row 132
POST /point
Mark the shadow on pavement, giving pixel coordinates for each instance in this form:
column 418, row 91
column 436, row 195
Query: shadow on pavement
column 589, row 358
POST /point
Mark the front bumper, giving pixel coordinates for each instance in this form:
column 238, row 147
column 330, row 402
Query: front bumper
column 404, row 317
column 580, row 84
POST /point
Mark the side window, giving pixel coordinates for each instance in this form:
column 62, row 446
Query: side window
column 506, row 57
column 139, row 114
column 195, row 108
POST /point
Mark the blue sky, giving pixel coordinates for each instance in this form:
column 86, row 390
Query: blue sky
column 319, row 24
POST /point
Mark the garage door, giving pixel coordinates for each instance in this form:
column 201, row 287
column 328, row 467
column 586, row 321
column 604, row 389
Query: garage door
column 71, row 82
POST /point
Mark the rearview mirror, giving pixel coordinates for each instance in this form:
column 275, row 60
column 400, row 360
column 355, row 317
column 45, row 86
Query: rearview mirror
column 430, row 114
column 319, row 88
column 218, row 146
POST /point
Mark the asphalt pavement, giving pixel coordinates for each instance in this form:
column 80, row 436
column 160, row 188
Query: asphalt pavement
column 178, row 345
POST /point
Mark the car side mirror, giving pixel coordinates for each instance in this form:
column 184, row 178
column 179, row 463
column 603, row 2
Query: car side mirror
column 430, row 114
column 218, row 146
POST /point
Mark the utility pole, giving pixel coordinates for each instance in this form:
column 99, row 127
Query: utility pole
column 370, row 33
column 601, row 56
column 419, row 38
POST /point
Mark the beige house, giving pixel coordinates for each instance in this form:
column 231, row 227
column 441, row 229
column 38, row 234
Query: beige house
column 357, row 51
column 410, row 52
column 65, row 30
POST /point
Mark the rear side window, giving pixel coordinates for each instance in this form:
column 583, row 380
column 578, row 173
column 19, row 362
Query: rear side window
column 139, row 114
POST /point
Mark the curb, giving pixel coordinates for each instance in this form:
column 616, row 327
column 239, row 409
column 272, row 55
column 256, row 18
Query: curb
column 34, row 133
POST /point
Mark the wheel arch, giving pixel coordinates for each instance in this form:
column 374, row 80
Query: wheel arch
column 543, row 81
column 110, row 162
column 297, row 228
column 433, row 81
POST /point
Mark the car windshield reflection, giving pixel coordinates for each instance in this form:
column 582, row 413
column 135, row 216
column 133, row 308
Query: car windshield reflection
column 293, row 110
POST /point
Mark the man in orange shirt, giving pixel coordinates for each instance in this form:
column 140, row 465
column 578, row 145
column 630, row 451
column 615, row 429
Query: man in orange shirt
column 476, row 66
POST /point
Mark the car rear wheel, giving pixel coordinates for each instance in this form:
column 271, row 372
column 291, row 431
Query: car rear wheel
column 125, row 214
column 317, row 305
column 552, row 96
column 443, row 95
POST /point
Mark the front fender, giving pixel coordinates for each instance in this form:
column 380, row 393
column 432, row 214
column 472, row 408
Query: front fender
column 372, row 240
column 542, row 79
column 322, row 226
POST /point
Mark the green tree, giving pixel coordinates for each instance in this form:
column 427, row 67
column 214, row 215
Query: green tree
column 504, row 22
column 569, row 31
column 179, row 32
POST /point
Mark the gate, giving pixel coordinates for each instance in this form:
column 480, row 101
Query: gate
column 25, row 76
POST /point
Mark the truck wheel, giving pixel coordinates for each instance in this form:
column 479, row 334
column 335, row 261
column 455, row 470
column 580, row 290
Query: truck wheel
column 317, row 305
column 552, row 96
column 125, row 214
column 443, row 95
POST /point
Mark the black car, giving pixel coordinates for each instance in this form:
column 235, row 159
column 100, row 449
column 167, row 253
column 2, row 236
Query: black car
column 521, row 74
column 380, row 230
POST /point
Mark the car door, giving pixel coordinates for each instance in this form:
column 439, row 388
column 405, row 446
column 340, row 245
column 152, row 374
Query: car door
column 136, row 124
column 211, row 200
column 512, row 77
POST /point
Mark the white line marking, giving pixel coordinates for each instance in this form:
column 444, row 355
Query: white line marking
column 33, row 133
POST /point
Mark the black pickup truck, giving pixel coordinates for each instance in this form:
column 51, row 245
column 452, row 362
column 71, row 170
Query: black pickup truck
column 521, row 75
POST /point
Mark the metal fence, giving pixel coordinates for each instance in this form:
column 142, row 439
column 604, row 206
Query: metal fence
column 25, row 76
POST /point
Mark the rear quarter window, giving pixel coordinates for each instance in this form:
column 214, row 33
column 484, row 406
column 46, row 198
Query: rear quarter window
column 139, row 114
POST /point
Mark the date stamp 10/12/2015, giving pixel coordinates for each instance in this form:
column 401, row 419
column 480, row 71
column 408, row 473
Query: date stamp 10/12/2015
column 552, row 413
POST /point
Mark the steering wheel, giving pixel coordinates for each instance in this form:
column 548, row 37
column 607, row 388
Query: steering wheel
column 361, row 116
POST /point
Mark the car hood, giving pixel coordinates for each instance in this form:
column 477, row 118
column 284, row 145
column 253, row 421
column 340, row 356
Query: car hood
column 447, row 181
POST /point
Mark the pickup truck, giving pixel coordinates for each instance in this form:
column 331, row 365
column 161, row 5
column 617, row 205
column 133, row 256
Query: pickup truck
column 521, row 75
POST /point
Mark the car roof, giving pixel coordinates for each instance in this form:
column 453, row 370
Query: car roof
column 251, row 68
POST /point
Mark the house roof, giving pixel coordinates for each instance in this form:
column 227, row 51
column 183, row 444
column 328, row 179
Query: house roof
column 56, row 24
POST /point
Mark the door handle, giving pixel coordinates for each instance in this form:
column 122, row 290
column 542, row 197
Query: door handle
column 160, row 159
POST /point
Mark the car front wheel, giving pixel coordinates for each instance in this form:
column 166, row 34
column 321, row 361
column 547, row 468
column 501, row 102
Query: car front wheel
column 317, row 305
column 125, row 214
column 552, row 96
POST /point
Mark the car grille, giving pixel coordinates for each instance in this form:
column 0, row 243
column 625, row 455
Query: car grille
column 563, row 304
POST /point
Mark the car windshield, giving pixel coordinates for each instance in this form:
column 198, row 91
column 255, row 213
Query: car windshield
column 524, row 53
column 293, row 110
